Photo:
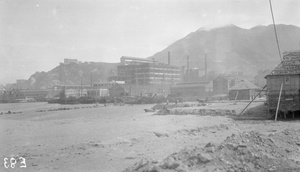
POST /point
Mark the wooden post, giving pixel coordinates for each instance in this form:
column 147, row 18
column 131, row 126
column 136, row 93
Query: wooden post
column 237, row 94
column 278, row 101
column 252, row 100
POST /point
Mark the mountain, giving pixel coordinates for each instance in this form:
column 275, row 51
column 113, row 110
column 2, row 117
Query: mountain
column 232, row 48
column 71, row 74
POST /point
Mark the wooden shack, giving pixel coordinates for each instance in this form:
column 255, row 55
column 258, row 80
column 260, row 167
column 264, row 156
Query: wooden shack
column 220, row 85
column 245, row 90
column 285, row 78
column 191, row 89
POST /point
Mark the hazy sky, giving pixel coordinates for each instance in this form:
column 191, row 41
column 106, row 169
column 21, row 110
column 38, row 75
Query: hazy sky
column 35, row 35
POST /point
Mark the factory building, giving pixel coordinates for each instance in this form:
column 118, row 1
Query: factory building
column 146, row 76
column 149, row 73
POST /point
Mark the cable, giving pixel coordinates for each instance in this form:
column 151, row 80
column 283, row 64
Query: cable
column 275, row 30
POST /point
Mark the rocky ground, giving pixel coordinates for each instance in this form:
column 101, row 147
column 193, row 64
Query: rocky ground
column 247, row 151
column 125, row 138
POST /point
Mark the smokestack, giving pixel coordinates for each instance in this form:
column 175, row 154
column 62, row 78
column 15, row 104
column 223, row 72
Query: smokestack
column 188, row 63
column 91, row 78
column 169, row 58
column 188, row 68
column 205, row 67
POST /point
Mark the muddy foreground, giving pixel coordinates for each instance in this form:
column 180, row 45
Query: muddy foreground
column 118, row 138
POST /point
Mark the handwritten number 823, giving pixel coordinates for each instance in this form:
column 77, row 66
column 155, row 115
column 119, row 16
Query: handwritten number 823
column 13, row 162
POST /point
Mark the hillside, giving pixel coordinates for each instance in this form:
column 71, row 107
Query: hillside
column 71, row 74
column 232, row 48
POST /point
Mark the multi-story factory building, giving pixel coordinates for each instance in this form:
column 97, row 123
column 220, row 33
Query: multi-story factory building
column 144, row 73
column 147, row 72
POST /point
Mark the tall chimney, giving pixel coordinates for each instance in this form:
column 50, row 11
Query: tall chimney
column 188, row 62
column 188, row 68
column 169, row 58
column 205, row 67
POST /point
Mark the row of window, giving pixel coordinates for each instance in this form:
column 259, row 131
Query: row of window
column 148, row 73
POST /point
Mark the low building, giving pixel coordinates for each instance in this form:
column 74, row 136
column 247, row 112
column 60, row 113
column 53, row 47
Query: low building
column 68, row 61
column 73, row 90
column 220, row 86
column 194, row 89
column 97, row 90
column 37, row 94
column 245, row 90
column 114, row 88
column 285, row 78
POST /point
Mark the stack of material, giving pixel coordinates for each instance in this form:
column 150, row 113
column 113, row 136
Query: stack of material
column 289, row 65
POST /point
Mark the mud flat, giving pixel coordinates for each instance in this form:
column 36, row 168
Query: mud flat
column 115, row 138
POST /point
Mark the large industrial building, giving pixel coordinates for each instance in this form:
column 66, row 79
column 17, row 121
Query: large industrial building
column 149, row 73
column 144, row 75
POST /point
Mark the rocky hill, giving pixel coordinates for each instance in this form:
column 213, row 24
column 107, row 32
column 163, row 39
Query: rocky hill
column 71, row 74
column 232, row 48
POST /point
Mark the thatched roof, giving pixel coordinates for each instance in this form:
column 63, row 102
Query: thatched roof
column 245, row 85
column 289, row 65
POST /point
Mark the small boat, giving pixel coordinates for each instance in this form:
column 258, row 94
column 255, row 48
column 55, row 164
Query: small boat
column 149, row 110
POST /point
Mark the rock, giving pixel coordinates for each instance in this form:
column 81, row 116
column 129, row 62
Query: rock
column 210, row 149
column 205, row 158
column 242, row 145
column 288, row 150
column 169, row 164
column 161, row 134
column 231, row 170
column 141, row 164
column 271, row 169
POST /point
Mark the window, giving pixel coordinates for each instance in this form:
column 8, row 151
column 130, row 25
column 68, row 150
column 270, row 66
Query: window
column 287, row 80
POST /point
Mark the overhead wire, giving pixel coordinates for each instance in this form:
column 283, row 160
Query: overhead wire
column 275, row 30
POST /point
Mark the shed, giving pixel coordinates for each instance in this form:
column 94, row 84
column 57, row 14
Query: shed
column 191, row 89
column 220, row 85
column 287, row 74
column 245, row 90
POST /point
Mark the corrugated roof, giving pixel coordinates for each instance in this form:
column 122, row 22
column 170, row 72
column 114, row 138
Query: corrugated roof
column 245, row 85
column 289, row 65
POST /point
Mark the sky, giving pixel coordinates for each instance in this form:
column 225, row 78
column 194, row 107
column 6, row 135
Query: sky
column 36, row 35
